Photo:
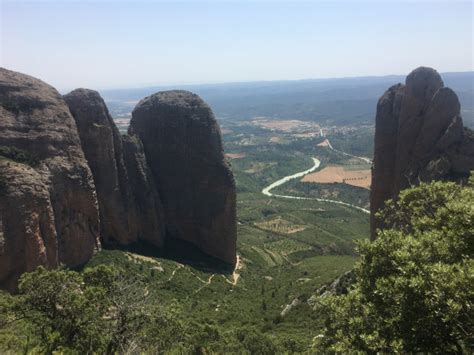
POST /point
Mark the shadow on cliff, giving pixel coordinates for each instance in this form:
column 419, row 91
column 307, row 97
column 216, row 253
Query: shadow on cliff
column 179, row 251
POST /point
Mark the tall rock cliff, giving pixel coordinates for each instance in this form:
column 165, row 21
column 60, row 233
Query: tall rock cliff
column 183, row 147
column 419, row 136
column 147, row 215
column 69, row 181
column 48, row 204
column 130, row 209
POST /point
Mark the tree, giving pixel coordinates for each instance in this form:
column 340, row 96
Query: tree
column 65, row 312
column 255, row 342
column 415, row 283
column 97, row 311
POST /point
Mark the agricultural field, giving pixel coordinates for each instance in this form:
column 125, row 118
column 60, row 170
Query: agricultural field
column 340, row 174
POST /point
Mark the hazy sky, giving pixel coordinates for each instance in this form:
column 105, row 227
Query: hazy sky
column 104, row 43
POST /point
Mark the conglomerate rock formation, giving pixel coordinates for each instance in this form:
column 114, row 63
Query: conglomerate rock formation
column 48, row 204
column 103, row 150
column 419, row 136
column 183, row 146
column 126, row 214
column 148, row 215
column 69, row 181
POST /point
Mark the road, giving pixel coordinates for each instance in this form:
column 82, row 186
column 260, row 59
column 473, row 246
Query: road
column 367, row 160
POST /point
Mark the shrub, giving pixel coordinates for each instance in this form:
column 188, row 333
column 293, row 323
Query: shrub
column 18, row 155
column 415, row 283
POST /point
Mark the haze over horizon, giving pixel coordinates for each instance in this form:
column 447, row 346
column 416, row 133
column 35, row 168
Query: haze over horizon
column 103, row 44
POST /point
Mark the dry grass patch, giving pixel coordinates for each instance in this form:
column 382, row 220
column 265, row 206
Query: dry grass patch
column 280, row 225
column 324, row 143
column 235, row 155
column 339, row 174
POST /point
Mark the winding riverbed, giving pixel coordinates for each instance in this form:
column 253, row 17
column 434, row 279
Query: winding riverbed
column 267, row 190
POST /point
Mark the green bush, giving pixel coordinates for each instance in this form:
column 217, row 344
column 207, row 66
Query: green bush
column 18, row 155
column 96, row 311
column 415, row 283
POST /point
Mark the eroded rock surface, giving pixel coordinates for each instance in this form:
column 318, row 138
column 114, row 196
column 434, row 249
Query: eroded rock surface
column 48, row 205
column 130, row 208
column 419, row 136
column 147, row 216
column 183, row 147
column 68, row 180
column 102, row 147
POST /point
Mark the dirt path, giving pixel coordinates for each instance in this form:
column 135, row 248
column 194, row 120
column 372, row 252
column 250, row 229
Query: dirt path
column 137, row 257
column 367, row 160
column 206, row 283
column 236, row 274
column 180, row 266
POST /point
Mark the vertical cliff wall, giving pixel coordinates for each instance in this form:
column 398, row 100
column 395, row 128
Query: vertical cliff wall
column 419, row 136
column 48, row 205
column 183, row 147
column 69, row 180
column 130, row 209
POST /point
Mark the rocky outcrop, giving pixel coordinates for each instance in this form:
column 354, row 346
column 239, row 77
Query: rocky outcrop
column 27, row 232
column 69, row 181
column 147, row 216
column 129, row 209
column 419, row 136
column 48, row 205
column 183, row 147
column 102, row 148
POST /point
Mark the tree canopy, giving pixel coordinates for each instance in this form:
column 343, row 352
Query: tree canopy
column 415, row 283
column 96, row 311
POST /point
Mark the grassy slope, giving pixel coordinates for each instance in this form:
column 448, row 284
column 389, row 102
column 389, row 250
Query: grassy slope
column 277, row 267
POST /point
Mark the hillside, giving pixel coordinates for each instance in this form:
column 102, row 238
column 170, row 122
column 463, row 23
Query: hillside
column 344, row 101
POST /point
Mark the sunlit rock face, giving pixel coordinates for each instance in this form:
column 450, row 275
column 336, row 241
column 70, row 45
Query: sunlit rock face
column 69, row 181
column 419, row 136
column 130, row 209
column 183, row 147
column 48, row 205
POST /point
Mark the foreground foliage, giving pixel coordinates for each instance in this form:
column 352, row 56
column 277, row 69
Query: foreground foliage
column 104, row 310
column 98, row 310
column 415, row 282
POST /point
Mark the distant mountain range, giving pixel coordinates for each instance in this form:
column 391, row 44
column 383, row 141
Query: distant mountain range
column 331, row 101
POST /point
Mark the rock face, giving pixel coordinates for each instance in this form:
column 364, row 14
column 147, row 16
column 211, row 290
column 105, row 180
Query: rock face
column 419, row 136
column 148, row 215
column 48, row 205
column 129, row 210
column 69, row 181
column 183, row 147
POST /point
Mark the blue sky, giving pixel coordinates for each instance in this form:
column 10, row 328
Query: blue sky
column 104, row 44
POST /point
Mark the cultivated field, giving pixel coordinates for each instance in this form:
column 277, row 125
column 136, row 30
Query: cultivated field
column 288, row 126
column 324, row 143
column 280, row 225
column 339, row 174
column 235, row 155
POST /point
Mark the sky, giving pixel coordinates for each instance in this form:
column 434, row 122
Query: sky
column 113, row 44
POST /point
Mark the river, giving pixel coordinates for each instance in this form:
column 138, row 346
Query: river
column 267, row 190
